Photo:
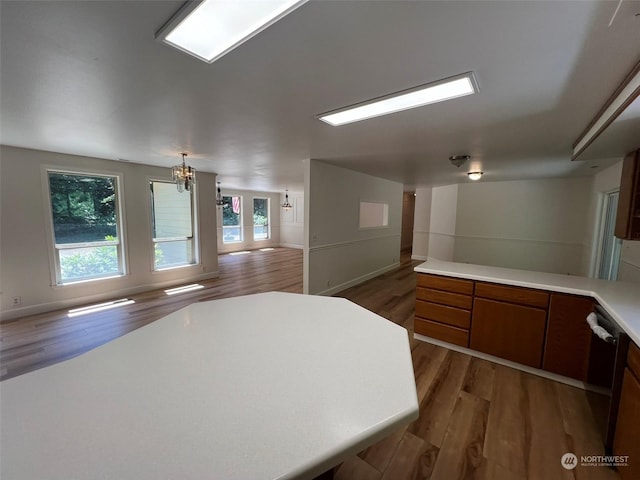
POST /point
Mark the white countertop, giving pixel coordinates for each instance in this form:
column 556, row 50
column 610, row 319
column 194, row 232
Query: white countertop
column 265, row 386
column 620, row 299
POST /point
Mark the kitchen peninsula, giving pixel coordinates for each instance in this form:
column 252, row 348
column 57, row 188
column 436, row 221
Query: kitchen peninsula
column 621, row 300
column 537, row 322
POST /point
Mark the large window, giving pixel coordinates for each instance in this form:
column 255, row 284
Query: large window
column 232, row 219
column 260, row 218
column 86, row 226
column 173, row 237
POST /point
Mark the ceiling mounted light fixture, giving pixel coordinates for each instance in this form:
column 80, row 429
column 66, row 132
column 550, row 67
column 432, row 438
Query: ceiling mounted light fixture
column 475, row 175
column 219, row 199
column 446, row 89
column 183, row 176
column 210, row 29
column 458, row 160
column 286, row 206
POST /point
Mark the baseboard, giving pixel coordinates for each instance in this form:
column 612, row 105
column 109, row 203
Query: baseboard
column 419, row 257
column 291, row 245
column 358, row 280
column 13, row 314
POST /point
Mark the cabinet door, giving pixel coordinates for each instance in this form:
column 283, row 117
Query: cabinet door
column 628, row 427
column 566, row 350
column 628, row 215
column 508, row 331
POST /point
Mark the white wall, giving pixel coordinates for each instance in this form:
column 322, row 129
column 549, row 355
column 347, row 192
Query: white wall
column 442, row 226
column 339, row 254
column 248, row 242
column 527, row 224
column 421, row 223
column 292, row 221
column 25, row 253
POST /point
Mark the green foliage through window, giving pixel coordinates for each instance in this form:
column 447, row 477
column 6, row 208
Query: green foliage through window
column 84, row 212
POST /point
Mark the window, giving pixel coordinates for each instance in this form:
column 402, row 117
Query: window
column 172, row 215
column 232, row 220
column 86, row 226
column 260, row 218
column 374, row 215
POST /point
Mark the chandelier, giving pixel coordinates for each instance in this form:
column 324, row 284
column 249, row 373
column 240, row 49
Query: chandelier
column 184, row 176
column 219, row 199
column 286, row 206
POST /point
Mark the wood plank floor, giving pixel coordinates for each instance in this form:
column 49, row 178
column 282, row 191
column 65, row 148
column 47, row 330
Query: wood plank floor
column 478, row 420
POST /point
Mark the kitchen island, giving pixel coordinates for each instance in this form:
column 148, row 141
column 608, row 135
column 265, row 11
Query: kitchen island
column 255, row 387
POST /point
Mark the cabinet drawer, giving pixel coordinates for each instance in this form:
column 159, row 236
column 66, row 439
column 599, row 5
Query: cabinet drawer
column 519, row 295
column 442, row 332
column 633, row 359
column 448, row 284
column 441, row 313
column 444, row 298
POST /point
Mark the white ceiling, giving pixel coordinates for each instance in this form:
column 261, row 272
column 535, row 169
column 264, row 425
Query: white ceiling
column 89, row 78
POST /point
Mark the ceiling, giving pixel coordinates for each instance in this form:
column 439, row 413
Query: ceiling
column 88, row 78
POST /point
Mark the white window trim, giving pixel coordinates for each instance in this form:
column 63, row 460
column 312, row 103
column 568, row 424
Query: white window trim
column 195, row 246
column 54, row 264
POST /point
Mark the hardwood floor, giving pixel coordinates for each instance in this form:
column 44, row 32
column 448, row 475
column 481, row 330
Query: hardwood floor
column 36, row 341
column 478, row 420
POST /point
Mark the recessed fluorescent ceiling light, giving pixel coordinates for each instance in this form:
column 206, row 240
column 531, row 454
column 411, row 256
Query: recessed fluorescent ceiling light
column 211, row 28
column 453, row 87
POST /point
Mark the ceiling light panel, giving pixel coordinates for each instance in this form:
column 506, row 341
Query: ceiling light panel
column 447, row 89
column 211, row 28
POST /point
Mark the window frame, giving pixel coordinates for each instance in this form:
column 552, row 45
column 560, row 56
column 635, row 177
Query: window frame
column 240, row 220
column 195, row 255
column 54, row 249
column 253, row 211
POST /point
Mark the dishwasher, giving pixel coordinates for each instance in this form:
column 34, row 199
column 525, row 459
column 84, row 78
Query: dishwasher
column 607, row 359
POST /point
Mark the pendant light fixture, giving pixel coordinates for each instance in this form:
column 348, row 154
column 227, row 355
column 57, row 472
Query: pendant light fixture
column 184, row 176
column 219, row 199
column 286, row 206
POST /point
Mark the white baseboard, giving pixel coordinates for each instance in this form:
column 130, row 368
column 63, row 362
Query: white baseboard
column 68, row 303
column 358, row 280
column 419, row 257
column 292, row 245
column 508, row 363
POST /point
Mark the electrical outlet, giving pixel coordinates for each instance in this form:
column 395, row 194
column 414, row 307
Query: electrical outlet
column 15, row 301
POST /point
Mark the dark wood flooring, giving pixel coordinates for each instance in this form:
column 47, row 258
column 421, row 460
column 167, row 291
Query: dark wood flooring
column 478, row 420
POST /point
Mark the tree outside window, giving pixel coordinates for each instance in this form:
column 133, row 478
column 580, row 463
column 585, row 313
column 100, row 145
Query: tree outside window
column 84, row 211
column 232, row 219
column 260, row 218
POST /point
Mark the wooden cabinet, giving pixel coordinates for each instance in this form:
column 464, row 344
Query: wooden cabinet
column 443, row 308
column 626, row 441
column 509, row 331
column 568, row 338
column 628, row 215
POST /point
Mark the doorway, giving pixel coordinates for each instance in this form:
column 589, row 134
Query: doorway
column 408, row 209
